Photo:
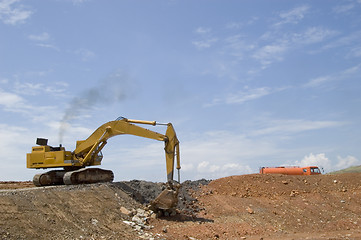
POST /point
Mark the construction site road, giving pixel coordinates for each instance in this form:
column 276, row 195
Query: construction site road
column 237, row 207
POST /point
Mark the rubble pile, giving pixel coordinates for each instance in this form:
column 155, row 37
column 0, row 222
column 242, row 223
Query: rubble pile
column 187, row 203
column 144, row 192
column 139, row 221
column 141, row 191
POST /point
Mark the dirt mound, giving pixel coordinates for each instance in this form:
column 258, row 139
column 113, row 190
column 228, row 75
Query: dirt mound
column 236, row 207
column 16, row 185
column 268, row 185
column 65, row 212
column 274, row 207
column 95, row 211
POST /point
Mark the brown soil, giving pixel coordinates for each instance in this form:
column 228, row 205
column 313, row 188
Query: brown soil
column 65, row 212
column 16, row 185
column 236, row 207
column 273, row 207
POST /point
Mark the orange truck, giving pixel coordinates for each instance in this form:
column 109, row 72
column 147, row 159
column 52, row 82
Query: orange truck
column 311, row 170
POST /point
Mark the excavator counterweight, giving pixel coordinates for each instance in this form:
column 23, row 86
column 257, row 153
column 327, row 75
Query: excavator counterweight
column 88, row 153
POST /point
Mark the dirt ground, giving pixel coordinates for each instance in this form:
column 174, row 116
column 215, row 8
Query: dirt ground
column 236, row 207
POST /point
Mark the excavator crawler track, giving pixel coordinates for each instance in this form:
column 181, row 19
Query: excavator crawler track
column 80, row 176
column 88, row 175
column 54, row 177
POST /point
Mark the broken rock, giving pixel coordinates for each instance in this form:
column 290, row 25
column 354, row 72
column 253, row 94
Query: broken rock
column 125, row 211
column 250, row 210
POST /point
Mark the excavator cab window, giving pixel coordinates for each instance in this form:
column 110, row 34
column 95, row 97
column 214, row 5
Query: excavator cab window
column 99, row 157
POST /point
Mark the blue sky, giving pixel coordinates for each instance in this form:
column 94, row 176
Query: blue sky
column 245, row 83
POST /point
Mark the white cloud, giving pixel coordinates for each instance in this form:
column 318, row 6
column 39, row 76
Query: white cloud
column 342, row 75
column 13, row 13
column 16, row 142
column 40, row 37
column 278, row 45
column 33, row 89
column 354, row 52
column 4, row 80
column 85, row 54
column 322, row 161
column 238, row 25
column 220, row 154
column 78, row 2
column 343, row 8
column 187, row 166
column 241, row 96
column 236, row 42
column 206, row 40
column 293, row 16
column 205, row 43
column 50, row 46
column 251, row 94
column 202, row 30
column 269, row 48
column 319, row 160
column 346, row 162
column 270, row 53
column 314, row 82
column 292, row 126
column 234, row 25
column 313, row 35
column 351, row 71
column 352, row 38
column 248, row 94
column 237, row 46
column 10, row 100
column 213, row 171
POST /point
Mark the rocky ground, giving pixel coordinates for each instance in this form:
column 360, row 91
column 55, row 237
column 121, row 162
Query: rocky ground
column 237, row 207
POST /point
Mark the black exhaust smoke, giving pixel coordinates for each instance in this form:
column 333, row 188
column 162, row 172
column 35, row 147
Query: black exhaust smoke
column 111, row 89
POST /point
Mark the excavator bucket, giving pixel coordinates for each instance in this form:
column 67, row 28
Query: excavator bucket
column 167, row 199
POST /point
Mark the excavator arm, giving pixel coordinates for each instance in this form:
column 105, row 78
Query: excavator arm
column 171, row 151
column 87, row 150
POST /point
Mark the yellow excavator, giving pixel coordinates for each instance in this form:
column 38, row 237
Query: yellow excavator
column 88, row 153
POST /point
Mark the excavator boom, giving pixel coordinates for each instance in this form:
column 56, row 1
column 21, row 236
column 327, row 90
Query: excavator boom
column 86, row 150
column 114, row 128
